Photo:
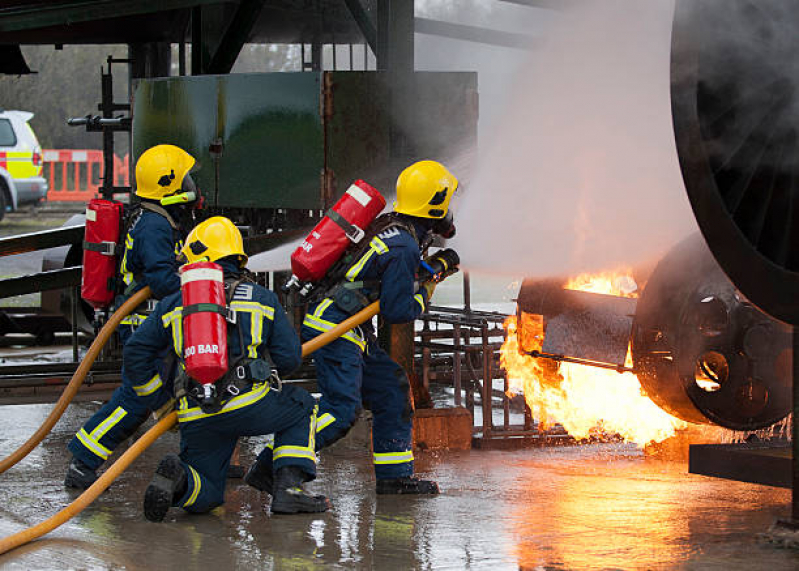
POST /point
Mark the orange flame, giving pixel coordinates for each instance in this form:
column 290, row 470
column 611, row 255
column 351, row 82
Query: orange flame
column 585, row 400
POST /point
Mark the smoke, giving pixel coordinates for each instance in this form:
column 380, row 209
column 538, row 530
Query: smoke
column 274, row 260
column 581, row 171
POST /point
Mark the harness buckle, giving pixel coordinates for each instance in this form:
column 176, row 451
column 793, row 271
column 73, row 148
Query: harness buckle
column 241, row 373
column 275, row 382
column 230, row 315
column 354, row 233
column 233, row 390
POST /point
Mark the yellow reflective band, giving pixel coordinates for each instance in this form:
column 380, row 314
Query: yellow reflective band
column 376, row 245
column 320, row 309
column 135, row 319
column 393, row 457
column 323, row 325
column 312, row 429
column 259, row 391
column 257, row 313
column 175, row 319
column 197, row 485
column 252, row 306
column 95, row 447
column 419, row 299
column 127, row 276
column 149, row 387
column 294, row 452
column 324, row 421
column 109, row 423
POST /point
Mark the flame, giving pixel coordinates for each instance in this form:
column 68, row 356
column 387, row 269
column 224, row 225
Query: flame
column 587, row 401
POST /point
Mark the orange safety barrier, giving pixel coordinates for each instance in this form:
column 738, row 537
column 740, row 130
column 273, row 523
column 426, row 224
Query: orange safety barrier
column 76, row 175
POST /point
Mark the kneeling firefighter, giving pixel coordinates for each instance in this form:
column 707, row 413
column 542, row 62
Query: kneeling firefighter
column 354, row 371
column 245, row 349
column 152, row 242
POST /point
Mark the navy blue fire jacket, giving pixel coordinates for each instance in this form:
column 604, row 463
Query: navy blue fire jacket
column 150, row 258
column 393, row 260
column 260, row 317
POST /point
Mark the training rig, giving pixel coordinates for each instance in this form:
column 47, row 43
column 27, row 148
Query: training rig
column 277, row 150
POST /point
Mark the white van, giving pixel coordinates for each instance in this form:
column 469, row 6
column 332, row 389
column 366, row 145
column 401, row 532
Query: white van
column 21, row 180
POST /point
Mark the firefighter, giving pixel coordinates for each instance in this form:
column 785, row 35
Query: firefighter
column 152, row 243
column 353, row 370
column 249, row 402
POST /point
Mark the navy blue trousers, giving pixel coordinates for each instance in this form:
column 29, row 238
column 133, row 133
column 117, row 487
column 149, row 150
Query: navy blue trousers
column 207, row 441
column 119, row 418
column 350, row 379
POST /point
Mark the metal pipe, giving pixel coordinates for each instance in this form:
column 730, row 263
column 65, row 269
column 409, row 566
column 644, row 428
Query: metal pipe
column 456, row 363
column 74, row 308
column 487, row 382
column 467, row 292
column 505, row 401
column 795, row 431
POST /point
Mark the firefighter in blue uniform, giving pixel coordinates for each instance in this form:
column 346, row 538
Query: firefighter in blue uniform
column 354, row 371
column 250, row 400
column 152, row 243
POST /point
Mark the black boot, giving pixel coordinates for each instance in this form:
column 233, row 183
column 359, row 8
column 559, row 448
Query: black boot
column 260, row 475
column 289, row 496
column 79, row 475
column 167, row 486
column 407, row 485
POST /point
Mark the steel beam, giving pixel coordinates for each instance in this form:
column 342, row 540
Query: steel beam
column 361, row 17
column 395, row 27
column 12, row 62
column 54, row 279
column 474, row 34
column 545, row 4
column 41, row 240
column 236, row 34
column 40, row 15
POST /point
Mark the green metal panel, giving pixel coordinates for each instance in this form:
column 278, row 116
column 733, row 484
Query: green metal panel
column 178, row 111
column 297, row 140
column 378, row 123
column 357, row 130
column 273, row 153
column 268, row 125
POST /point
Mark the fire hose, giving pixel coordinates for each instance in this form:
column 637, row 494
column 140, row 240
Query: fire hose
column 77, row 379
column 111, row 474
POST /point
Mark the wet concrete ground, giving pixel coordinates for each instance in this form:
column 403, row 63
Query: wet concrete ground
column 591, row 507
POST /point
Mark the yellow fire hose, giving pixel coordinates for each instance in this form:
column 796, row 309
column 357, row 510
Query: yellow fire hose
column 111, row 474
column 77, row 379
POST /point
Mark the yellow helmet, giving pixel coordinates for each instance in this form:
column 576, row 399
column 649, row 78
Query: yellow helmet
column 161, row 170
column 213, row 239
column 424, row 189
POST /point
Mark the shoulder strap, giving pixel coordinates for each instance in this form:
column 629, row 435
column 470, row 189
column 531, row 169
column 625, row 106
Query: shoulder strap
column 390, row 220
column 158, row 209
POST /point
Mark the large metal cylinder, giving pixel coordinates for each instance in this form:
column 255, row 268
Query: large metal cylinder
column 704, row 353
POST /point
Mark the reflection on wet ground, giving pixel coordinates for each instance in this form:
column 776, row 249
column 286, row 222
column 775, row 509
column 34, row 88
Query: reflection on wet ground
column 594, row 507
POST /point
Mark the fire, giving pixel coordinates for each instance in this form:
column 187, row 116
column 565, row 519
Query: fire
column 585, row 400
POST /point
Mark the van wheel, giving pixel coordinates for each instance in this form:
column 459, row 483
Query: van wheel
column 3, row 199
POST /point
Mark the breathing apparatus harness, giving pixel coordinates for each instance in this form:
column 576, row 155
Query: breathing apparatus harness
column 353, row 296
column 242, row 373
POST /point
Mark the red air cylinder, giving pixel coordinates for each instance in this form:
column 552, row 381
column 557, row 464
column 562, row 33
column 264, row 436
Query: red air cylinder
column 101, row 239
column 341, row 226
column 202, row 285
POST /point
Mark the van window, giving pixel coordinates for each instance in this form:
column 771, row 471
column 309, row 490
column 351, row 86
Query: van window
column 7, row 136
